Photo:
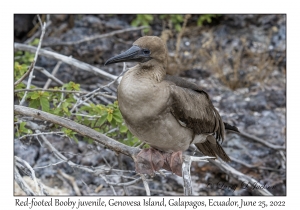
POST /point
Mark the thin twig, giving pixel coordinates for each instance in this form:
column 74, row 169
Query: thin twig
column 259, row 140
column 22, row 184
column 124, row 183
column 35, row 58
column 63, row 159
column 30, row 39
column 157, row 191
column 24, row 163
column 64, row 91
column 37, row 134
column 72, row 180
column 259, row 189
column 26, row 74
column 101, row 36
column 52, row 74
column 110, row 184
column 92, row 94
column 51, row 90
column 255, row 166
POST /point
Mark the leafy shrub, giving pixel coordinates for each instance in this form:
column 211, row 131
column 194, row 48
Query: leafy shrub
column 105, row 119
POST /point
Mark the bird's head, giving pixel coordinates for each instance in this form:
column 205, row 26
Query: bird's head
column 147, row 50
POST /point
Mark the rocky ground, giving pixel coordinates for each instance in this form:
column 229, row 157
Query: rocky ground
column 240, row 60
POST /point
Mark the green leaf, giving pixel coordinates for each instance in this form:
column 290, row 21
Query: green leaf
column 34, row 103
column 178, row 27
column 102, row 119
column 117, row 117
column 22, row 128
column 44, row 103
column 35, row 95
column 35, row 42
column 109, row 117
column 79, row 118
column 123, row 129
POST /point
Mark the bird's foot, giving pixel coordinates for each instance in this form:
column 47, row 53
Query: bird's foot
column 173, row 162
column 148, row 161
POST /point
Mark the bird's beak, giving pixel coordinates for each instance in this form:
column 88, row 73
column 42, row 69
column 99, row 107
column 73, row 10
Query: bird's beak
column 135, row 53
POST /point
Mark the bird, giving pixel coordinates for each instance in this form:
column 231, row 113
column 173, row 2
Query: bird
column 166, row 112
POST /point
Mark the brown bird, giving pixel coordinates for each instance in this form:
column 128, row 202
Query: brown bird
column 166, row 112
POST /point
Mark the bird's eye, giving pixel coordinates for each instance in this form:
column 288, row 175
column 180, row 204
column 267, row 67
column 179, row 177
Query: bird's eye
column 146, row 52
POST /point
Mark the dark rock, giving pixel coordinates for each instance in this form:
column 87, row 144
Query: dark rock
column 257, row 102
column 23, row 23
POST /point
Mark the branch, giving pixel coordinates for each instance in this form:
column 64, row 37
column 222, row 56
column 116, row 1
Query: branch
column 52, row 75
column 241, row 177
column 35, row 59
column 259, row 140
column 186, row 172
column 72, row 180
column 23, row 185
column 101, row 36
column 130, row 151
column 93, row 93
column 80, row 129
column 22, row 163
column 68, row 60
column 26, row 74
column 255, row 166
column 145, row 185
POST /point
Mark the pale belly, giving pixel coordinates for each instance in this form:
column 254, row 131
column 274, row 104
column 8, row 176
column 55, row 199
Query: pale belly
column 163, row 133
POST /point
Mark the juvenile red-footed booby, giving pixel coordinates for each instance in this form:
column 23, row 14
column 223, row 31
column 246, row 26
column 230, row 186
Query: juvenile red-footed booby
column 166, row 112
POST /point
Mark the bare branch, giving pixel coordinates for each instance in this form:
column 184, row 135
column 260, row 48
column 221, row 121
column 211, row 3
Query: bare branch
column 24, row 163
column 125, row 183
column 93, row 93
column 101, row 36
column 37, row 134
column 51, row 77
column 145, row 185
column 52, row 74
column 35, row 59
column 126, row 150
column 241, row 177
column 259, row 140
column 68, row 60
column 80, row 129
column 186, row 173
column 255, row 166
column 64, row 91
column 22, row 184
column 26, row 74
column 72, row 180
column 111, row 186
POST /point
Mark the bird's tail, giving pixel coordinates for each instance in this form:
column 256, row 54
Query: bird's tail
column 211, row 147
column 230, row 127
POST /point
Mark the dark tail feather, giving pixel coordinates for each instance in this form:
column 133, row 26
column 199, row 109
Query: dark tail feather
column 211, row 147
column 230, row 127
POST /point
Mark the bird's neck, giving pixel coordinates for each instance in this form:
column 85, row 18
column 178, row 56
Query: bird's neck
column 151, row 71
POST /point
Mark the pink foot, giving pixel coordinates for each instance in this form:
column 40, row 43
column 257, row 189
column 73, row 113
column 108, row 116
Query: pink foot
column 148, row 161
column 173, row 162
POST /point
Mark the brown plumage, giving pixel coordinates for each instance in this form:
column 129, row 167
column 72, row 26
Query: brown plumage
column 167, row 112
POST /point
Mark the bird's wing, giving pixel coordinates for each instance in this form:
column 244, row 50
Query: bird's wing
column 193, row 107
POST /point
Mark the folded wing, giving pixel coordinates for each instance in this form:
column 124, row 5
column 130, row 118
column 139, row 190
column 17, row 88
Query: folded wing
column 192, row 108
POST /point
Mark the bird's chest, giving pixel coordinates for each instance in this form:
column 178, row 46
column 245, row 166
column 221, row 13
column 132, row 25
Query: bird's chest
column 141, row 101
